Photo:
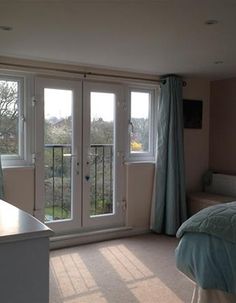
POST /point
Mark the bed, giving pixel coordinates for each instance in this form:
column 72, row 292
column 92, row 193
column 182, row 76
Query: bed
column 207, row 253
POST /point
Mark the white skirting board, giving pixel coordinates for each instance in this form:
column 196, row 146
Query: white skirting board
column 74, row 239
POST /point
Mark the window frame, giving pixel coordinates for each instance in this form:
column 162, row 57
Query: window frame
column 150, row 155
column 25, row 125
column 26, row 154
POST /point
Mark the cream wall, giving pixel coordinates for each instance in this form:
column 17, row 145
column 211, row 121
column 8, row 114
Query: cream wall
column 139, row 184
column 196, row 141
column 223, row 126
column 19, row 187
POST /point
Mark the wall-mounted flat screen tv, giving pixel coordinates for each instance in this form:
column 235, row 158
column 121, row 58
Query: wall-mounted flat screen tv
column 192, row 110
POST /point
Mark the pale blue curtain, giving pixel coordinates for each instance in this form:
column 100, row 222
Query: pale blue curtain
column 169, row 201
column 1, row 181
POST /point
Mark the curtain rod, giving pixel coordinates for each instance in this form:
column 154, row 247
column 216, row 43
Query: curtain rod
column 85, row 74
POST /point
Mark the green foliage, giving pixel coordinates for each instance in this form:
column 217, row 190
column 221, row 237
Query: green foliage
column 58, row 132
column 56, row 213
column 140, row 134
column 101, row 132
column 101, row 179
column 101, row 207
column 56, row 162
column 8, row 117
column 58, row 192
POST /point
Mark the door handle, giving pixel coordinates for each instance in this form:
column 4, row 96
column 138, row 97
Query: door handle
column 77, row 168
column 69, row 155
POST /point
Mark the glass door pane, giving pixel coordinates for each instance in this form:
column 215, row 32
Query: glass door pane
column 57, row 153
column 58, row 116
column 101, row 153
column 103, row 156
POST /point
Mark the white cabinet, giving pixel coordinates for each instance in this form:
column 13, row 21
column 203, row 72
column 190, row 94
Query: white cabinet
column 24, row 257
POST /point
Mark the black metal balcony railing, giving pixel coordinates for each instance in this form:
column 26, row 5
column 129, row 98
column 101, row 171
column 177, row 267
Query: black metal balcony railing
column 58, row 180
column 101, row 179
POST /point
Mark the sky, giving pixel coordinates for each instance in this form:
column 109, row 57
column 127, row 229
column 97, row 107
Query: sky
column 58, row 103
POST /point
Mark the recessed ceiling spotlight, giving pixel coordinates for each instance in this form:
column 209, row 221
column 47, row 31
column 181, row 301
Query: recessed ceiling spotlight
column 211, row 22
column 219, row 62
column 5, row 28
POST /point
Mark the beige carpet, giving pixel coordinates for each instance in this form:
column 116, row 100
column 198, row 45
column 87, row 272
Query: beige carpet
column 131, row 270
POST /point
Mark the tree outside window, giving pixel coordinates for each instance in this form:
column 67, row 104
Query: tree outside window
column 9, row 116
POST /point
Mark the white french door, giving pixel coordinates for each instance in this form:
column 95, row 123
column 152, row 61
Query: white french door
column 58, row 113
column 103, row 150
column 79, row 154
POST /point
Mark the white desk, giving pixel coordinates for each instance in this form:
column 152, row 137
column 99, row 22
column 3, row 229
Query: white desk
column 24, row 257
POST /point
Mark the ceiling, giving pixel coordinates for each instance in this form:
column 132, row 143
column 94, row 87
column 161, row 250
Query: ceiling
column 148, row 36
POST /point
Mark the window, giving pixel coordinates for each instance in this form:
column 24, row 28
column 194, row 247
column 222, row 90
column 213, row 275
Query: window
column 141, row 137
column 12, row 120
column 17, row 120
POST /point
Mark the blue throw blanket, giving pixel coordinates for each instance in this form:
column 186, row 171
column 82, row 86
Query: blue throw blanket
column 207, row 249
column 218, row 220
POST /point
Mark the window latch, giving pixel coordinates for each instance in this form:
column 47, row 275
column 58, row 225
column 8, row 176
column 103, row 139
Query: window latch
column 33, row 101
column 22, row 118
column 131, row 126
